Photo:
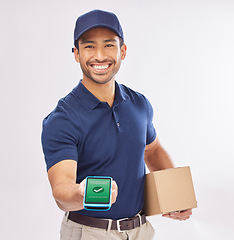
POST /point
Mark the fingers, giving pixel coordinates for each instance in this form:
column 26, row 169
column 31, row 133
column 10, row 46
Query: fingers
column 82, row 187
column 182, row 215
column 114, row 193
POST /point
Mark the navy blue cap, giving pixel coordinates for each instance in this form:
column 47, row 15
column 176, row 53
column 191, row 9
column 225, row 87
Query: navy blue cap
column 97, row 18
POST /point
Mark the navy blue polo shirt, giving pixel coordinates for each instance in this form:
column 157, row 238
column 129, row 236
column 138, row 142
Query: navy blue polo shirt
column 104, row 141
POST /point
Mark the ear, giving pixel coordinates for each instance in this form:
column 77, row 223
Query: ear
column 76, row 54
column 123, row 51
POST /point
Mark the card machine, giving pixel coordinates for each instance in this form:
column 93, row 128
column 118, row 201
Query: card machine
column 97, row 196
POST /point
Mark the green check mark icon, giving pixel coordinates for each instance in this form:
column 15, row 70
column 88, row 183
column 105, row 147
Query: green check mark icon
column 98, row 189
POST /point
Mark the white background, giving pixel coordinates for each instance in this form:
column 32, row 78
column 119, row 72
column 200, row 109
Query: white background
column 180, row 55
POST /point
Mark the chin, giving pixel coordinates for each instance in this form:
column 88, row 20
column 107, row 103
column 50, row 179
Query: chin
column 101, row 81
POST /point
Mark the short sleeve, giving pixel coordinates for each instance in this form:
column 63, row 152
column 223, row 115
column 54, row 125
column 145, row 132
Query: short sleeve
column 59, row 140
column 151, row 132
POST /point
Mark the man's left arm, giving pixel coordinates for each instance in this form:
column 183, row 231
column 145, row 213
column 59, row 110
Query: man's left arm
column 156, row 158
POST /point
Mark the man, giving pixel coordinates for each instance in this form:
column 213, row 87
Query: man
column 102, row 128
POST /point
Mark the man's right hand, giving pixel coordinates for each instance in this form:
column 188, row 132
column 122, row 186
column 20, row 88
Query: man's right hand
column 114, row 192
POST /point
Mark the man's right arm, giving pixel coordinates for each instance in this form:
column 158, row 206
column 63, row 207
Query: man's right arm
column 67, row 193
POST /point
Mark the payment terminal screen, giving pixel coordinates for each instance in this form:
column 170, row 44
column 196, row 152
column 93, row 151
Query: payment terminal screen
column 98, row 190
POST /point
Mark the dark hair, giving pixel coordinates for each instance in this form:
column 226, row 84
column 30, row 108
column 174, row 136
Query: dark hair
column 120, row 43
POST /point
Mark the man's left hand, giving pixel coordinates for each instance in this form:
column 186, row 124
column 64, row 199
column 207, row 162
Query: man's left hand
column 182, row 215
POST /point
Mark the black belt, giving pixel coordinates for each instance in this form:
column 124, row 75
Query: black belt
column 120, row 225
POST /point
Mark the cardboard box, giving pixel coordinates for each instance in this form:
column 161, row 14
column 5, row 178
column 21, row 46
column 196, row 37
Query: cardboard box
column 169, row 190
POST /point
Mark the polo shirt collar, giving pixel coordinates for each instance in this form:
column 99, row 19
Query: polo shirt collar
column 92, row 102
column 120, row 95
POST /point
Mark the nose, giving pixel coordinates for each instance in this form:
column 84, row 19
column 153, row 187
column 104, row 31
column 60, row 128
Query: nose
column 100, row 54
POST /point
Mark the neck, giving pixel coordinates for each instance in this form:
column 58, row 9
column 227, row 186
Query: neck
column 104, row 92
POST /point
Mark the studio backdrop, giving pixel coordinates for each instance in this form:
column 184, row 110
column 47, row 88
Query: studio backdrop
column 180, row 55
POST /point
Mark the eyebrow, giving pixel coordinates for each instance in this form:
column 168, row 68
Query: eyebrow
column 88, row 41
column 110, row 40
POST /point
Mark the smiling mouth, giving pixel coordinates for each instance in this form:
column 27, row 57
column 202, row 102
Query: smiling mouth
column 101, row 67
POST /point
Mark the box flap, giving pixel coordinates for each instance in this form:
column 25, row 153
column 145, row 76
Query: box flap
column 151, row 201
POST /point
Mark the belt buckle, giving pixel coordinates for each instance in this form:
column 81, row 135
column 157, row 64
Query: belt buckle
column 118, row 224
column 140, row 220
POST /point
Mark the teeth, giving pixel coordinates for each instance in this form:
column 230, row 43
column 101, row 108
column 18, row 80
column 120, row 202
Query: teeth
column 100, row 67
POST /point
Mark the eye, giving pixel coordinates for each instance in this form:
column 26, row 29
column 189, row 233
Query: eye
column 89, row 46
column 109, row 45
